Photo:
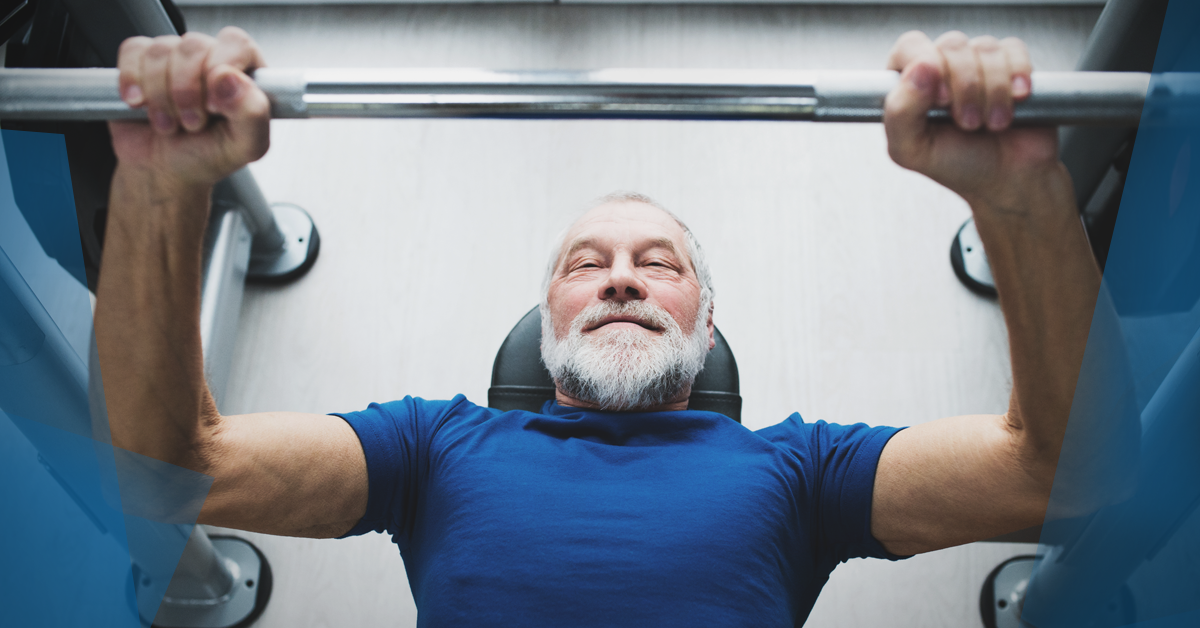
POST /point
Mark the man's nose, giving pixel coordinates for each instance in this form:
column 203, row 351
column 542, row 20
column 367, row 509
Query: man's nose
column 623, row 283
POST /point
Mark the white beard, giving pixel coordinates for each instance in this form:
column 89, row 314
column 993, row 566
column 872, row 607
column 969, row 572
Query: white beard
column 625, row 369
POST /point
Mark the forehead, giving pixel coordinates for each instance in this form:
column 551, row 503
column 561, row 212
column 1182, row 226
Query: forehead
column 625, row 223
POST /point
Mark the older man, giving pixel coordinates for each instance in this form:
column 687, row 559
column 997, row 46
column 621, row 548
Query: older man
column 615, row 504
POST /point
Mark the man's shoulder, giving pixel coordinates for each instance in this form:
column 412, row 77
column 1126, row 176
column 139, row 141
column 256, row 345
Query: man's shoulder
column 420, row 411
column 786, row 430
column 821, row 436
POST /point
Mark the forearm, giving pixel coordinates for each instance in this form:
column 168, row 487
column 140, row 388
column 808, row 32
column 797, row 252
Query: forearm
column 147, row 318
column 1047, row 280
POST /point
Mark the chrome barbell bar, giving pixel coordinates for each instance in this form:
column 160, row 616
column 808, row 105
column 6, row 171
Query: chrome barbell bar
column 1099, row 98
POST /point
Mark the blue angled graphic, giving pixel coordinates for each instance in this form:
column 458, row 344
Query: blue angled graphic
column 1121, row 542
column 73, row 540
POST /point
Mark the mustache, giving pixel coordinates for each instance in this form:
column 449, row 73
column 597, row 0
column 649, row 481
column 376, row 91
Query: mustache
column 653, row 315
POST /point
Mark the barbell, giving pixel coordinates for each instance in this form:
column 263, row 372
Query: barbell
column 1093, row 98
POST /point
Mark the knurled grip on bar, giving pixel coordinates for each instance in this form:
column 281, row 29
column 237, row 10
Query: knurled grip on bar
column 1101, row 98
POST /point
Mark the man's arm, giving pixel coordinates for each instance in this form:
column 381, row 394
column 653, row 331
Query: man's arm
column 281, row 473
column 969, row 478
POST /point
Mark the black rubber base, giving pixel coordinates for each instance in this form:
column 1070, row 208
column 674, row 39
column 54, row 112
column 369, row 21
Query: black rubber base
column 960, row 269
column 987, row 596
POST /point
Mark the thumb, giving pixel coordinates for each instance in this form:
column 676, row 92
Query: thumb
column 905, row 113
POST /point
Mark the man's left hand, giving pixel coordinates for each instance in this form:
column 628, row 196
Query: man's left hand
column 980, row 155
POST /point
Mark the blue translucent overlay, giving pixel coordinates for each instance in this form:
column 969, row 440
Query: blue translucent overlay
column 1121, row 543
column 71, row 520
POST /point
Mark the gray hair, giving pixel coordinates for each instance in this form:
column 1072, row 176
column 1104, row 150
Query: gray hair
column 694, row 252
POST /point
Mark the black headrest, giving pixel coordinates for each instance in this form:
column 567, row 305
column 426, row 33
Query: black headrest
column 521, row 382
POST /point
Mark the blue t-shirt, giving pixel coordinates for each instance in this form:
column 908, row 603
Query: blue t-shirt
column 581, row 518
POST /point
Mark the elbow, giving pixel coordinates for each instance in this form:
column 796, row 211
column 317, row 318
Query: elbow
column 1077, row 472
column 159, row 490
column 166, row 476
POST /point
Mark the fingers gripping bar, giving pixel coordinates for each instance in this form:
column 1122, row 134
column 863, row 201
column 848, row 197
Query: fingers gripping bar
column 1100, row 98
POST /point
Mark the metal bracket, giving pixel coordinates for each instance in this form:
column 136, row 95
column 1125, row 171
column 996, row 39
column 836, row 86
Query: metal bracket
column 286, row 241
column 297, row 252
column 225, row 583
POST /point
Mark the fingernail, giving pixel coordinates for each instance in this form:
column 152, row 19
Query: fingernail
column 1020, row 86
column 162, row 121
column 190, row 119
column 133, row 95
column 970, row 117
column 997, row 119
column 227, row 88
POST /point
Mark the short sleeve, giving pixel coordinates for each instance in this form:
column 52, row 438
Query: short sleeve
column 847, row 457
column 396, row 438
column 839, row 463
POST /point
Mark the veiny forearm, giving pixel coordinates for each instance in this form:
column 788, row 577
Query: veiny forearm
column 1048, row 280
column 147, row 318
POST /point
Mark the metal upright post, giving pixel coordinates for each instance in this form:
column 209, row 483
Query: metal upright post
column 218, row 582
column 286, row 241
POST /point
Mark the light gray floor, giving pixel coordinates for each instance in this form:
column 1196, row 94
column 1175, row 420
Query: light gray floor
column 833, row 281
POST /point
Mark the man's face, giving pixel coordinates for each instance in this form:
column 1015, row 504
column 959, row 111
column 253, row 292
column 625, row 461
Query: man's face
column 624, row 304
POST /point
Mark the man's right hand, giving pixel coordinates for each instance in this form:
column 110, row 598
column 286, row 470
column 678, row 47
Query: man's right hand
column 207, row 118
column 981, row 156
column 289, row 473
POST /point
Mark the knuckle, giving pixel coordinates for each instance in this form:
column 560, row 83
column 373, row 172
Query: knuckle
column 953, row 40
column 985, row 43
column 1015, row 45
column 133, row 45
column 1018, row 54
column 233, row 34
column 194, row 43
column 162, row 46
